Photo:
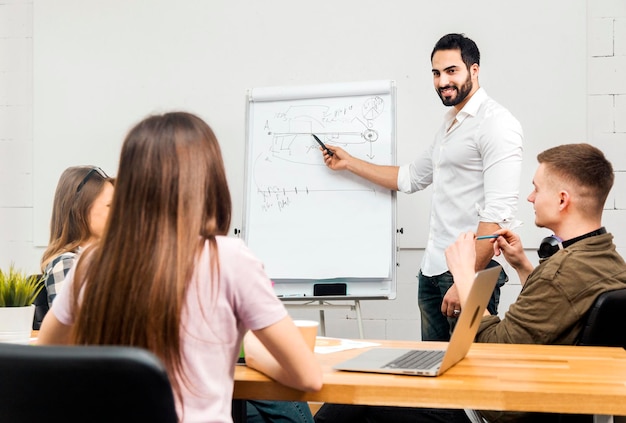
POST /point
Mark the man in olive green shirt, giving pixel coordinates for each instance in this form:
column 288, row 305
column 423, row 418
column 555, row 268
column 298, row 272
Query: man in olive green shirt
column 580, row 262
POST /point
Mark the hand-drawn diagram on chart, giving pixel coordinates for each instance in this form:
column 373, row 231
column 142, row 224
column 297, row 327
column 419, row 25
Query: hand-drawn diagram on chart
column 287, row 161
column 298, row 211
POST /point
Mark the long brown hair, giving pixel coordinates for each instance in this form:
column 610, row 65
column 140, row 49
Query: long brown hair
column 69, row 224
column 171, row 194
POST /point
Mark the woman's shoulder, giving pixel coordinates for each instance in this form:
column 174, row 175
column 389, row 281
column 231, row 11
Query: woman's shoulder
column 229, row 244
column 232, row 250
column 66, row 259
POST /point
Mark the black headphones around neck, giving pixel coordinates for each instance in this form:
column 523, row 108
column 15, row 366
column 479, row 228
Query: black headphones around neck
column 551, row 244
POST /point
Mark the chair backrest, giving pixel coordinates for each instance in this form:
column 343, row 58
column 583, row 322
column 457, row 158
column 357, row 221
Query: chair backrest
column 41, row 304
column 83, row 384
column 603, row 326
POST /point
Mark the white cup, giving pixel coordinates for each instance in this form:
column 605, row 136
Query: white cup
column 308, row 329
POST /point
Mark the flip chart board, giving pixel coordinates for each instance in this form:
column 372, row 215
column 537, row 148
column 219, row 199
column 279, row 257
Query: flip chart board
column 309, row 224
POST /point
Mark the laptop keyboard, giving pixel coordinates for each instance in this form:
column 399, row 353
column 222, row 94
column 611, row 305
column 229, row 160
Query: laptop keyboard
column 416, row 359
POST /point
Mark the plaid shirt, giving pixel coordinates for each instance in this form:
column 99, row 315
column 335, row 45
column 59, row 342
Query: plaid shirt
column 56, row 271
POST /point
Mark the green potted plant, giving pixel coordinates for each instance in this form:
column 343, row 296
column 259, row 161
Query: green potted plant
column 18, row 291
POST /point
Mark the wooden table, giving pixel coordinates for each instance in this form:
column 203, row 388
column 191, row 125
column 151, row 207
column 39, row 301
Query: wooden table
column 544, row 378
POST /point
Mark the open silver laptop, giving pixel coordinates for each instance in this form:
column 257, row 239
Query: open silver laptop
column 432, row 362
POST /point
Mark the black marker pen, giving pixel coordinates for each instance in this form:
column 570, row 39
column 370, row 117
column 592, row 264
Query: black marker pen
column 330, row 153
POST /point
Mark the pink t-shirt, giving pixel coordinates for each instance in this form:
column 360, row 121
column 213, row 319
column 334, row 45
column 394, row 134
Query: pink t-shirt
column 213, row 326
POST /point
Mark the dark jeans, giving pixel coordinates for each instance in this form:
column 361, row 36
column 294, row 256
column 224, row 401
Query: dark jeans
column 278, row 412
column 430, row 293
column 343, row 413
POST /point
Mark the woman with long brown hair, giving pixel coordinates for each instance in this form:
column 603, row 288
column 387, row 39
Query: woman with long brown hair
column 166, row 278
column 79, row 213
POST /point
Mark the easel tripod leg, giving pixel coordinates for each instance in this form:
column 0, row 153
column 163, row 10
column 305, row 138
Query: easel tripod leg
column 357, row 307
column 322, row 321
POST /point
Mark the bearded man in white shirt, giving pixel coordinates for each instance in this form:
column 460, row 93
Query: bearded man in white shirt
column 474, row 165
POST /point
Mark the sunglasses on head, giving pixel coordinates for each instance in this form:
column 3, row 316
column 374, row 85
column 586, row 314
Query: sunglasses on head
column 97, row 170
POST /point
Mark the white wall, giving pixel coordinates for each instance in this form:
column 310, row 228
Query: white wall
column 91, row 83
column 16, row 136
column 398, row 319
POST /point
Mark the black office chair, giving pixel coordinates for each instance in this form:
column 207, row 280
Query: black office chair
column 602, row 325
column 83, row 384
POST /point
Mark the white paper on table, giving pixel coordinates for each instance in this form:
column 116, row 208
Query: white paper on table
column 325, row 345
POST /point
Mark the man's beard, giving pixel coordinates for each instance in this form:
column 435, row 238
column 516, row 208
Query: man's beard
column 462, row 93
